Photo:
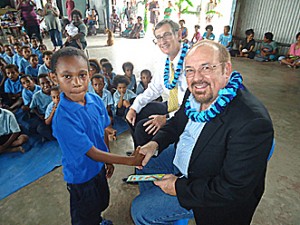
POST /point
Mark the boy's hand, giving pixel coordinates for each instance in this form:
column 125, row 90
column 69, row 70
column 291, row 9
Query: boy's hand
column 136, row 157
column 126, row 103
column 109, row 170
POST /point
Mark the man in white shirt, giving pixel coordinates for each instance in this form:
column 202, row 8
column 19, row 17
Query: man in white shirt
column 147, row 117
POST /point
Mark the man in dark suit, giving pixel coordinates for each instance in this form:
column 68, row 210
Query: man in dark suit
column 222, row 135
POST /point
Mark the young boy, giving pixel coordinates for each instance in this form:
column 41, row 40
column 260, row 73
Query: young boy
column 34, row 46
column 29, row 88
column 226, row 38
column 55, row 92
column 128, row 70
column 109, row 76
column 13, row 87
column 78, row 125
column 18, row 54
column 145, row 80
column 26, row 52
column 40, row 101
column 8, row 56
column 123, row 97
column 46, row 68
column 34, row 66
column 41, row 49
column 11, row 139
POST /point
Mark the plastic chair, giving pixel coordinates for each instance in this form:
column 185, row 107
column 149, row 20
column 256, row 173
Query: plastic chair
column 182, row 222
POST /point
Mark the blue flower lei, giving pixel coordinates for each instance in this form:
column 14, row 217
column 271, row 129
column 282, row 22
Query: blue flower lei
column 225, row 97
column 178, row 70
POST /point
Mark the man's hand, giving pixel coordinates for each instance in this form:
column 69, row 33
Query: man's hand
column 155, row 123
column 131, row 116
column 167, row 184
column 109, row 170
column 136, row 157
column 148, row 151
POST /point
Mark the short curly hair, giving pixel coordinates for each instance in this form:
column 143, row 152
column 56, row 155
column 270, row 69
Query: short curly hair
column 121, row 79
column 76, row 12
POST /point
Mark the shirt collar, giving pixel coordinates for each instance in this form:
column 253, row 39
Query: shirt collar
column 74, row 106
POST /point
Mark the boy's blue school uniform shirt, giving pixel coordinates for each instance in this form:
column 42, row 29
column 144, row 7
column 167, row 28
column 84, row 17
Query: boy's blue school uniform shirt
column 77, row 129
column 13, row 87
column 40, row 101
column 23, row 64
column 49, row 109
column 224, row 40
column 8, row 59
column 17, row 59
column 44, row 69
column 140, row 88
column 32, row 71
column 132, row 83
column 27, row 94
column 107, row 98
column 127, row 96
column 110, row 79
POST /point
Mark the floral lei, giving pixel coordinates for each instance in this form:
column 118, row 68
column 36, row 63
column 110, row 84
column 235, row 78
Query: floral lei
column 178, row 70
column 225, row 97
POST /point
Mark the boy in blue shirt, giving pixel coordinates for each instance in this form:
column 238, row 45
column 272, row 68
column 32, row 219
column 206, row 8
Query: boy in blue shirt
column 46, row 67
column 8, row 56
column 26, row 52
column 34, row 66
column 13, row 87
column 78, row 125
column 29, row 88
column 226, row 38
column 18, row 54
column 51, row 108
column 34, row 45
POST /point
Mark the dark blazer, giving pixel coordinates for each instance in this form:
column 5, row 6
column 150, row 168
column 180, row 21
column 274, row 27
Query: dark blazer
column 226, row 173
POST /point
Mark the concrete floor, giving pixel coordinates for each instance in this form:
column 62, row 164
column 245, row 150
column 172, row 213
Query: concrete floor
column 46, row 201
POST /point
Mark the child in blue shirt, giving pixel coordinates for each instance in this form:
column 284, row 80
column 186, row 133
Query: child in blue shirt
column 78, row 125
column 145, row 80
column 123, row 97
column 26, row 52
column 34, row 66
column 109, row 76
column 13, row 87
column 128, row 70
column 34, row 45
column 209, row 33
column 8, row 56
column 29, row 88
column 2, row 52
column 226, row 38
column 51, row 108
column 40, row 51
column 18, row 54
column 46, row 67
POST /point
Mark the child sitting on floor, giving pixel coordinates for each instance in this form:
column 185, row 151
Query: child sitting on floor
column 226, row 38
column 51, row 108
column 8, row 56
column 86, row 160
column 128, row 70
column 11, row 139
column 94, row 69
column 26, row 52
column 146, row 77
column 18, row 54
column 29, row 88
column 34, row 66
column 123, row 97
column 109, row 76
column 13, row 87
column 45, row 68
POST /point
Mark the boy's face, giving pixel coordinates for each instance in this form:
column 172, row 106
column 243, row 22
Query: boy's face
column 98, row 85
column 25, row 39
column 55, row 96
column 226, row 30
column 8, row 51
column 106, row 71
column 45, row 84
column 12, row 74
column 145, row 79
column 73, row 80
column 128, row 72
column 122, row 88
column 53, row 78
column 26, row 52
column 47, row 60
column 34, row 61
column 93, row 70
column 27, row 83
column 42, row 48
column 18, row 49
column 34, row 43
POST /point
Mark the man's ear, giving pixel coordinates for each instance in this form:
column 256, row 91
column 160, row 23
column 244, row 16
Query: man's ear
column 228, row 70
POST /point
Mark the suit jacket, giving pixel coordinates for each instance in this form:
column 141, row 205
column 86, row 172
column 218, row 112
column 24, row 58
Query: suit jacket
column 226, row 173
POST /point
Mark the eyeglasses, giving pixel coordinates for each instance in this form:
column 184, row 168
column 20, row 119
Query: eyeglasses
column 204, row 70
column 166, row 36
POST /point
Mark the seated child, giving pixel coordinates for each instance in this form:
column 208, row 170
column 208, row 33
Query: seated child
column 102, row 61
column 2, row 76
column 13, row 87
column 8, row 57
column 51, row 108
column 26, row 52
column 40, row 52
column 34, row 66
column 11, row 139
column 40, row 101
column 29, row 88
column 87, row 162
column 293, row 57
column 25, row 40
column 209, row 33
column 268, row 50
column 109, row 76
column 146, row 77
column 35, row 45
column 128, row 70
column 46, row 67
column 94, row 68
column 2, row 52
column 226, row 38
column 129, row 28
column 197, row 36
column 98, row 85
column 18, row 54
column 123, row 97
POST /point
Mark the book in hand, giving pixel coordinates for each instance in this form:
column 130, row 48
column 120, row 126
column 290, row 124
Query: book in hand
column 147, row 177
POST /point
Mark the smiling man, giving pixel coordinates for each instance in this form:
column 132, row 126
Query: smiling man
column 147, row 117
column 223, row 136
